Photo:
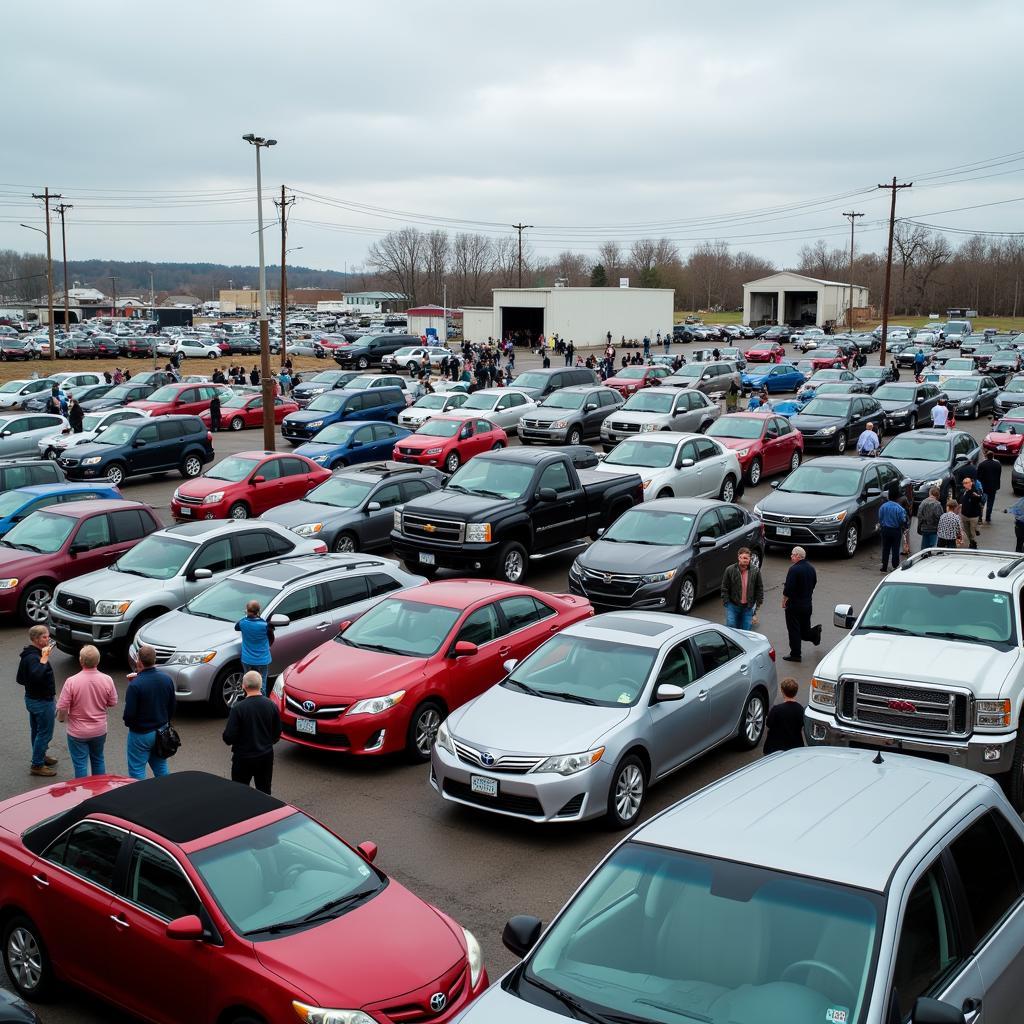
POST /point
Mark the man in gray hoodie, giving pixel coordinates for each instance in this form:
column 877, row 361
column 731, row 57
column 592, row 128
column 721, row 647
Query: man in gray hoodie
column 928, row 513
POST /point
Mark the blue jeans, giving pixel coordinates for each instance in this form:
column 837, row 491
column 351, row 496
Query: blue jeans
column 140, row 753
column 262, row 669
column 928, row 540
column 41, row 714
column 86, row 753
column 738, row 617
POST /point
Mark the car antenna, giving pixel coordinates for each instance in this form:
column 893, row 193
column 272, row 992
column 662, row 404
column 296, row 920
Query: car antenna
column 878, row 758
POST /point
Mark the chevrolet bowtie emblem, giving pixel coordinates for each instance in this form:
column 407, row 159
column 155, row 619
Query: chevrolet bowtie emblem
column 429, row 528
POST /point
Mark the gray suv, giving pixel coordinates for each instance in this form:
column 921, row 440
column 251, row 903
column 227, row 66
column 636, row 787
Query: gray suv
column 569, row 415
column 108, row 607
column 538, row 384
column 713, row 379
column 305, row 599
column 681, row 409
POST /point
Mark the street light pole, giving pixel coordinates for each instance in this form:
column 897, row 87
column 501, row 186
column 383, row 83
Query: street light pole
column 267, row 382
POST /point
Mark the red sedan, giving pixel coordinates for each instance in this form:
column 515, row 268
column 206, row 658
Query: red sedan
column 631, row 379
column 764, row 443
column 1006, row 438
column 386, row 682
column 449, row 441
column 828, row 359
column 765, row 352
column 192, row 898
column 246, row 410
column 246, row 484
column 180, row 399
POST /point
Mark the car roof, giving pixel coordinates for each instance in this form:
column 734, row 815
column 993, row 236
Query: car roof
column 636, row 628
column 754, row 414
column 202, row 528
column 931, row 433
column 992, row 570
column 461, row 593
column 691, row 506
column 81, row 508
column 666, row 436
column 840, row 462
column 282, row 571
column 61, row 487
column 849, row 816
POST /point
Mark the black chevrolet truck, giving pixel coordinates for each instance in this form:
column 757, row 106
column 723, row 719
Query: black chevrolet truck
column 503, row 508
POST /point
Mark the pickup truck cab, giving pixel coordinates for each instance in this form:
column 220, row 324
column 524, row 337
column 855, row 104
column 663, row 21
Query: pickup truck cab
column 504, row 508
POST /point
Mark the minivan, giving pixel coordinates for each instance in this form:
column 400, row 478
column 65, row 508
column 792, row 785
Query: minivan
column 538, row 384
column 338, row 406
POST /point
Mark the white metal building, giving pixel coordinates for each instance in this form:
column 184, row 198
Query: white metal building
column 795, row 298
column 584, row 316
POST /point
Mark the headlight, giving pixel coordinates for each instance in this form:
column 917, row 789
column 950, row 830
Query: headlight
column 570, row 764
column 757, row 511
column 316, row 391
column 433, row 451
column 823, row 694
column 444, row 738
column 318, row 1015
column 475, row 957
column 647, row 427
column 837, row 517
column 9, row 584
column 376, row 705
column 192, row 658
column 398, row 520
column 742, row 453
column 212, row 499
column 826, row 432
column 658, row 577
column 932, row 483
column 307, row 529
column 92, row 460
column 320, row 458
column 575, row 569
column 315, row 423
column 278, row 690
column 112, row 607
column 478, row 533
column 991, row 714
column 559, row 424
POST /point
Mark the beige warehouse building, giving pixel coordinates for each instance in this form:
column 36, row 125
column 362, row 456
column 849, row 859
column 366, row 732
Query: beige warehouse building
column 789, row 298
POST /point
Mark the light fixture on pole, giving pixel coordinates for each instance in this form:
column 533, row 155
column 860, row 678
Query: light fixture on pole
column 49, row 278
column 268, row 384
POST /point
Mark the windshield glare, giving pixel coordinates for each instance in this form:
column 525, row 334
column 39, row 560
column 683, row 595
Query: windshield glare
column 336, row 433
column 530, row 380
column 12, row 385
column 641, row 453
column 562, row 400
column 326, row 377
column 341, row 492
column 826, row 407
column 482, row 402
column 157, row 557
column 433, row 402
column 41, row 531
column 631, row 373
column 649, row 400
column 895, row 393
column 491, row 478
column 835, row 481
column 165, row 394
column 11, row 501
column 119, row 433
column 738, row 427
column 928, row 450
column 440, row 428
column 360, row 383
column 1017, row 384
column 403, row 627
column 328, row 402
column 961, row 384
column 645, row 526
column 232, row 469
column 223, row 600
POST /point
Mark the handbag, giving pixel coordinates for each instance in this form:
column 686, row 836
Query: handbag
column 167, row 741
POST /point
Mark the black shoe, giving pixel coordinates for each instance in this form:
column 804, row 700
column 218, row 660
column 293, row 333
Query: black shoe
column 883, row 569
column 816, row 638
column 791, row 657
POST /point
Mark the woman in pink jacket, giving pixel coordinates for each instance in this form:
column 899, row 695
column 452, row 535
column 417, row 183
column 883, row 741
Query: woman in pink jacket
column 83, row 704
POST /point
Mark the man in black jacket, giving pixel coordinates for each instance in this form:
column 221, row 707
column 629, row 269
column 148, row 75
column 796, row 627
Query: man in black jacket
column 796, row 599
column 35, row 673
column 989, row 473
column 148, row 706
column 253, row 727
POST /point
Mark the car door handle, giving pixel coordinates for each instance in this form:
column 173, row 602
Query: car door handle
column 744, row 668
column 323, row 625
column 504, row 651
column 971, row 1010
column 702, row 695
column 119, row 921
column 40, row 880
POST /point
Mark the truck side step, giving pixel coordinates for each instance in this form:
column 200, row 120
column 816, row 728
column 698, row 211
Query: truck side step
column 575, row 546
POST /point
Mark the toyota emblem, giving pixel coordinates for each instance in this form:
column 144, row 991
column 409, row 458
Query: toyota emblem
column 905, row 707
column 308, row 705
column 487, row 760
column 438, row 1001
column 67, row 602
column 607, row 577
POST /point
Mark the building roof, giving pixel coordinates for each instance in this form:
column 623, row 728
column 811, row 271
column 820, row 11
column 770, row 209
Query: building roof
column 431, row 310
column 803, row 277
column 390, row 296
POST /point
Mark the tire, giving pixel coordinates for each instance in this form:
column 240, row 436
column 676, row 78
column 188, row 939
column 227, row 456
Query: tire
column 115, row 473
column 754, row 473
column 345, row 543
column 512, row 563
column 794, row 461
column 687, row 595
column 226, row 689
column 236, row 423
column 238, row 511
column 338, row 464
column 191, row 467
column 34, row 604
column 452, row 463
column 727, row 492
column 973, row 412
column 212, row 355
column 752, row 721
column 626, row 793
column 51, row 454
column 362, row 363
column 575, row 436
column 840, row 442
column 412, row 368
column 665, row 493
column 26, row 960
column 423, row 726
column 850, row 539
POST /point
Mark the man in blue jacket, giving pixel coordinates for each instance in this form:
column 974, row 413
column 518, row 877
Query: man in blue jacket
column 892, row 521
column 148, row 707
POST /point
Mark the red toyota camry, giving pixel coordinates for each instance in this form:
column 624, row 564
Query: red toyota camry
column 189, row 898
column 449, row 441
column 765, row 444
column 386, row 682
column 1005, row 439
column 242, row 410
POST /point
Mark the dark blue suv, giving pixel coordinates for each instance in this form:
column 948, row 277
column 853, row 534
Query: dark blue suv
column 339, row 406
column 138, row 447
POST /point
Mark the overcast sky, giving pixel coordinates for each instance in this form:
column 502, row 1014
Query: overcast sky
column 590, row 120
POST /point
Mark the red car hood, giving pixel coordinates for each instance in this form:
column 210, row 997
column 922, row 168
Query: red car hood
column 1007, row 439
column 202, row 486
column 338, row 671
column 391, row 945
column 736, row 443
column 142, row 404
column 424, row 441
column 623, row 382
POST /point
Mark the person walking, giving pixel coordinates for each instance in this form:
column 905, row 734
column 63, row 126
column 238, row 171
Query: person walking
column 784, row 726
column 972, row 503
column 75, row 416
column 892, row 521
column 148, row 706
column 868, row 442
column 252, row 729
column 989, row 475
column 1017, row 511
column 950, row 531
column 35, row 674
column 797, row 600
column 257, row 636
column 215, row 413
column 940, row 414
column 84, row 700
column 928, row 514
column 732, row 396
column 742, row 592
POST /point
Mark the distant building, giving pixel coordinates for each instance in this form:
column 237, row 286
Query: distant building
column 182, row 300
column 232, row 299
column 423, row 318
column 796, row 299
column 376, row 302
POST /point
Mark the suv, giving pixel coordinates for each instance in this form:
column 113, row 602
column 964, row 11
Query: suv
column 28, row 472
column 339, row 405
column 569, row 415
column 538, row 384
column 305, row 599
column 370, row 349
column 137, row 447
column 180, row 399
column 713, row 379
column 932, row 666
column 107, row 608
column 326, row 380
column 660, row 409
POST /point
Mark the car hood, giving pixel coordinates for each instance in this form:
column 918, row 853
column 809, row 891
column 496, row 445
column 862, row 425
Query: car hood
column 339, row 962
column 339, row 671
column 311, row 449
column 467, row 507
column 1004, row 438
column 202, row 634
column 309, row 415
column 738, row 443
column 756, row 375
column 805, row 421
column 85, row 450
column 542, row 415
column 621, row 416
column 144, row 405
column 918, row 469
column 203, row 485
column 310, row 389
column 421, row 442
column 506, row 720
column 792, row 504
column 892, row 405
column 619, row 557
column 14, row 562
column 1010, row 397
column 644, row 472
column 109, row 585
column 295, row 513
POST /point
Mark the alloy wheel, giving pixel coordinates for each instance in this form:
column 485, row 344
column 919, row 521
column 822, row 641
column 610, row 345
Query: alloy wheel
column 345, row 544
column 629, row 792
column 193, row 467
column 115, row 475
column 425, row 733
column 687, row 596
column 25, row 958
column 513, row 565
column 753, row 720
column 794, row 461
column 231, row 688
column 755, row 472
column 37, row 603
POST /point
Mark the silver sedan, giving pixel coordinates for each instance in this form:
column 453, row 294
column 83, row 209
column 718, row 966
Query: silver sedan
column 503, row 406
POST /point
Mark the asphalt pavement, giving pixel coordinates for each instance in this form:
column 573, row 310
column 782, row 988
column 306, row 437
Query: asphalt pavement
column 478, row 868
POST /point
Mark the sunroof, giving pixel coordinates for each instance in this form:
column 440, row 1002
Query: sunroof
column 627, row 624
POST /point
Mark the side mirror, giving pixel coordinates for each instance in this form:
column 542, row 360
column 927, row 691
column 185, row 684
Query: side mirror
column 843, row 616
column 345, row 625
column 374, row 506
column 200, row 574
column 188, row 928
column 510, row 664
column 77, row 549
column 547, row 494
column 686, row 463
column 707, row 376
column 521, row 933
column 355, row 444
column 960, row 459
column 668, row 691
column 872, row 492
column 279, row 620
column 259, row 478
column 774, row 484
column 706, row 542
column 368, row 851
column 137, row 443
column 464, row 649
column 932, row 1011
column 589, row 407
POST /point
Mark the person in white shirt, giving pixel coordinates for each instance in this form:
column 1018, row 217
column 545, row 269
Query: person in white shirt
column 940, row 414
column 868, row 443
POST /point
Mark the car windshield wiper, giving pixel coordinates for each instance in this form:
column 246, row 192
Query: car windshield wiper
column 331, row 906
column 522, row 686
column 372, row 647
column 958, row 636
column 674, row 1009
column 578, row 1010
column 205, row 615
column 890, row 629
column 130, row 572
column 26, row 547
column 574, row 698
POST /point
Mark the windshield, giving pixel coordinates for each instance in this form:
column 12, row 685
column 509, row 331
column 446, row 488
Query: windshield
column 437, row 402
column 402, row 627
column 585, row 670
column 689, row 371
column 961, row 384
column 233, row 469
column 168, row 393
column 440, row 428
column 895, row 393
column 650, row 526
column 91, row 422
column 738, row 427
column 834, row 481
column 926, row 449
column 649, row 400
column 480, row 401
column 341, row 492
column 826, row 407
column 827, row 375
column 1009, row 426
column 12, row 385
column 492, row 478
column 650, row 455
column 289, row 874
column 41, row 531
column 631, row 373
column 336, row 433
column 120, row 392
column 1017, row 384
column 945, row 612
column 530, row 380
column 226, row 600
column 561, row 400
column 234, row 401
column 11, row 501
column 959, row 364
column 361, row 383
column 326, row 377
column 119, row 433
column 672, row 938
column 157, row 557
column 329, row 402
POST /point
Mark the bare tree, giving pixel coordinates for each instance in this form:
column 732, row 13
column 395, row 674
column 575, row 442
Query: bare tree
column 472, row 263
column 610, row 257
column 820, row 261
column 436, row 252
column 397, row 257
column 708, row 266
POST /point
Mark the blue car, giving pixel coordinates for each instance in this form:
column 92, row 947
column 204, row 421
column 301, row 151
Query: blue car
column 779, row 377
column 15, row 505
column 369, row 404
column 345, row 444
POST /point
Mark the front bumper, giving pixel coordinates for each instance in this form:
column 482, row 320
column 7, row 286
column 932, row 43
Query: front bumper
column 829, row 441
column 71, row 630
column 298, row 434
column 358, row 735
column 814, row 535
column 194, row 682
column 989, row 755
column 185, row 512
column 465, row 557
column 1001, row 451
column 617, row 594
column 543, row 433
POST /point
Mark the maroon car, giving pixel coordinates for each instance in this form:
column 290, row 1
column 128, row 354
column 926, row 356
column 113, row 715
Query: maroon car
column 61, row 542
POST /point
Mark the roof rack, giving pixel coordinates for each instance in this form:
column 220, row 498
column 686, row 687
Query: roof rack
column 322, row 567
column 1002, row 572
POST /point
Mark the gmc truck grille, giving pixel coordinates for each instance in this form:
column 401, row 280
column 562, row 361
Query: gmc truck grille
column 898, row 707
column 432, row 529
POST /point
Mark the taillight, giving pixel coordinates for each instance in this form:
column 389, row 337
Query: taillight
column 321, row 549
column 209, row 435
column 771, row 652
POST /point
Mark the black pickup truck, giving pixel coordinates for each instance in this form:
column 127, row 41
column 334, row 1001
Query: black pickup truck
column 505, row 507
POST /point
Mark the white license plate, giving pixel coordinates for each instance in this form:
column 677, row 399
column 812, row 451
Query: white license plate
column 1001, row 447
column 185, row 510
column 307, row 725
column 783, row 531
column 478, row 784
column 426, row 558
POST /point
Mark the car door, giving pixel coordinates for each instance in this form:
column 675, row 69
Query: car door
column 927, row 399
column 738, row 531
column 677, row 729
column 468, row 677
column 93, row 545
column 725, row 675
column 557, row 522
column 143, row 451
column 711, row 555
column 688, row 483
column 483, row 437
column 381, row 440
column 872, row 497
column 376, row 531
column 714, row 463
column 310, row 623
column 296, row 478
column 266, row 486
column 500, row 414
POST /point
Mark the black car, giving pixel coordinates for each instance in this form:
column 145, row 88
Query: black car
column 830, row 502
column 326, row 380
column 781, row 333
column 834, row 421
column 1011, row 398
column 969, row 397
column 370, row 349
column 867, row 343
column 118, row 395
column 907, row 406
column 908, row 355
column 928, row 457
column 1003, row 366
column 665, row 554
column 873, row 377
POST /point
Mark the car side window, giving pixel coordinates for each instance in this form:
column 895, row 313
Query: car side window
column 381, row 583
column 156, row 883
column 709, row 525
column 251, row 547
column 678, row 668
column 129, row 525
column 523, row 611
column 688, row 451
column 963, row 444
column 389, row 496
column 215, row 556
column 278, row 545
column 93, row 533
column 300, row 604
column 382, row 432
column 414, row 489
column 293, row 467
column 732, row 518
column 89, row 850
column 715, row 650
column 148, row 433
column 343, row 591
column 481, row 626
column 271, row 469
column 505, row 402
column 706, row 449
column 557, row 476
column 782, row 426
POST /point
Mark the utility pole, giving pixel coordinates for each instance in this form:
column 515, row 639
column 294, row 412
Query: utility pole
column 64, row 246
column 852, row 218
column 283, row 205
column 113, row 301
column 46, row 197
column 888, row 268
column 521, row 228
column 152, row 293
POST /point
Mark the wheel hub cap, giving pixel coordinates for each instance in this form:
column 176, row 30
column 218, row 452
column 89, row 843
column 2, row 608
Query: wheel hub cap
column 629, row 791
column 755, row 720
column 426, row 730
column 25, row 958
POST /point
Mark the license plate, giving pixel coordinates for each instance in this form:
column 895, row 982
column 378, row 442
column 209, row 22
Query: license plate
column 478, row 784
column 783, row 531
column 185, row 510
column 1001, row 447
column 306, row 725
column 426, row 558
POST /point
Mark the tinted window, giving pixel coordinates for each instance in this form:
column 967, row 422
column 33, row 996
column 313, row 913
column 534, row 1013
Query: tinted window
column 415, row 489
column 130, row 524
column 524, row 611
column 678, row 668
column 345, row 590
column 157, row 884
column 148, row 433
column 94, row 532
column 483, row 426
column 90, row 850
column 379, row 583
column 481, row 627
column 293, row 467
column 388, row 496
column 709, row 525
column 215, row 556
column 715, row 650
column 300, row 604
column 732, row 519
column 382, row 432
column 556, row 476
column 279, row 545
column 251, row 547
column 706, row 449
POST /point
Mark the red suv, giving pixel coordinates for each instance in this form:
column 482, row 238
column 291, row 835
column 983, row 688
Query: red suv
column 246, row 410
column 630, row 379
column 61, row 542
column 764, row 443
column 217, row 902
column 449, row 441
column 183, row 399
column 246, row 484
column 385, row 683
column 765, row 352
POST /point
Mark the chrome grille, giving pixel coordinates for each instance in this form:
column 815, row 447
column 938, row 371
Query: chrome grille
column 434, row 529
column 904, row 708
column 774, row 517
column 188, row 499
column 318, row 711
column 535, row 424
column 74, row 603
column 509, row 764
column 630, row 428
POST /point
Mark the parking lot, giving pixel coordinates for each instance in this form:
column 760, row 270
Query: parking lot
column 480, row 869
